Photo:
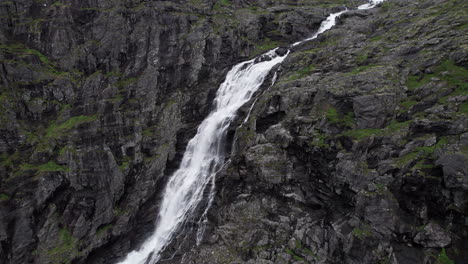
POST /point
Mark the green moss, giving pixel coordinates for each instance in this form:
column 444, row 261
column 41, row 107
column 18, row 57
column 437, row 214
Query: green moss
column 304, row 250
column 401, row 161
column 310, row 51
column 126, row 82
column 328, row 42
column 361, row 233
column 455, row 76
column 8, row 160
column 66, row 249
column 376, row 38
column 220, row 5
column 421, row 153
column 59, row 4
column 21, row 51
column 319, row 141
column 360, row 69
column 148, row 132
column 125, row 165
column 422, row 165
column 334, row 117
column 47, row 167
column 463, row 108
column 51, row 166
column 113, row 74
column 294, row 255
column 415, row 81
column 442, row 258
column 361, row 58
column 407, row 104
column 386, row 5
column 65, row 149
column 45, row 67
column 301, row 73
column 103, row 229
column 266, row 45
column 4, row 197
column 57, row 130
column 395, row 126
column 389, row 130
column 119, row 211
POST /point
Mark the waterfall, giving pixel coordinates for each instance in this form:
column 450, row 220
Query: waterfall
column 205, row 155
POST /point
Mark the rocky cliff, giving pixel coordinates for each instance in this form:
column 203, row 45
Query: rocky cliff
column 358, row 153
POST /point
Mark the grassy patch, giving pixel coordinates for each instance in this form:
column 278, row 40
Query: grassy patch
column 318, row 140
column 360, row 69
column 376, row 38
column 329, row 42
column 103, row 229
column 47, row 167
column 392, row 128
column 150, row 131
column 361, row 233
column 8, row 160
column 124, row 163
column 266, row 45
column 395, row 126
column 45, row 66
column 421, row 153
column 301, row 73
column 126, row 82
column 334, row 117
column 21, row 51
column 51, row 166
column 221, row 4
column 294, row 255
column 463, row 108
column 361, row 58
column 56, row 130
column 455, row 76
column 59, row 4
column 4, row 197
column 407, row 104
column 119, row 211
column 415, row 81
column 442, row 258
column 66, row 250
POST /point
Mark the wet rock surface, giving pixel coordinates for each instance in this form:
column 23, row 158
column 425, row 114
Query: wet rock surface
column 98, row 101
column 358, row 153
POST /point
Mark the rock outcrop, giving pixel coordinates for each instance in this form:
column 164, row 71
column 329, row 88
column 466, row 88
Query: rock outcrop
column 98, row 100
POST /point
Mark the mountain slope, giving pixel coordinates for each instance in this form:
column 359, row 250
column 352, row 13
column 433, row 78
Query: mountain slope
column 358, row 153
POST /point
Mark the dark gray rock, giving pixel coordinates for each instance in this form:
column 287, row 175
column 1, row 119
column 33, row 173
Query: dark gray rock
column 372, row 111
column 433, row 236
column 455, row 168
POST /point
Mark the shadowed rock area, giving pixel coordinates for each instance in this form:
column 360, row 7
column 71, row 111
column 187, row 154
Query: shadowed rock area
column 358, row 153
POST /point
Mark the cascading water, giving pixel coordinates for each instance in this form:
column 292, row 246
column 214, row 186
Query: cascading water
column 205, row 155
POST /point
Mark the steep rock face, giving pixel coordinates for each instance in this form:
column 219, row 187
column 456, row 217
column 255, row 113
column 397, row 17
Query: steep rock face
column 98, row 99
column 358, row 154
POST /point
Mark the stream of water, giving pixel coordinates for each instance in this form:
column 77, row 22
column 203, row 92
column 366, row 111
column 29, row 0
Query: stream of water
column 205, row 155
